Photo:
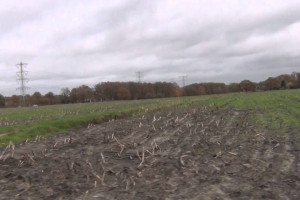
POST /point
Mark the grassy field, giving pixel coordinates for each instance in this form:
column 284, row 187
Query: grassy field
column 275, row 110
column 272, row 109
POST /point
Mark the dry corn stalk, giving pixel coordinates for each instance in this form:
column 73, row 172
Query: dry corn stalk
column 143, row 157
column 122, row 146
column 102, row 156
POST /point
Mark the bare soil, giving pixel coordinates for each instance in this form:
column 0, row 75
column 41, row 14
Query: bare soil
column 180, row 153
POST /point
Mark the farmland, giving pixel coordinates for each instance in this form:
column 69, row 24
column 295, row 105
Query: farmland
column 17, row 124
column 242, row 145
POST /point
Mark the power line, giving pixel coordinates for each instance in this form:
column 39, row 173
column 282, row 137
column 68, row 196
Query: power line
column 183, row 79
column 139, row 76
column 22, row 79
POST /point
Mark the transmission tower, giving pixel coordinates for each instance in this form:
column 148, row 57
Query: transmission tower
column 139, row 76
column 183, row 79
column 22, row 79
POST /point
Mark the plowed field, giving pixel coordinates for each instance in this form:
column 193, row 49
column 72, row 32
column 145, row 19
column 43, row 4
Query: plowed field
column 178, row 153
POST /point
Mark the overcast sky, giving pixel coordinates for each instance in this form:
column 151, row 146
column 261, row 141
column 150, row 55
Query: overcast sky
column 70, row 43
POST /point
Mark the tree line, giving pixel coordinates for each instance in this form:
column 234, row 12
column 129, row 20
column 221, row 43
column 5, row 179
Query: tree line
column 109, row 91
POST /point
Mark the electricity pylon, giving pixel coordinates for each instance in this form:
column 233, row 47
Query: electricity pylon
column 183, row 79
column 139, row 76
column 22, row 79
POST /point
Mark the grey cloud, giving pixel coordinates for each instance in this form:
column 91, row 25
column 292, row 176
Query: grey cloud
column 20, row 14
column 266, row 25
column 71, row 43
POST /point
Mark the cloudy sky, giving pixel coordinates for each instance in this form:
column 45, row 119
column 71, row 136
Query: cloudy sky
column 70, row 43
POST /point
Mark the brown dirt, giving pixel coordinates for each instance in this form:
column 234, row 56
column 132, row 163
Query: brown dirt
column 183, row 153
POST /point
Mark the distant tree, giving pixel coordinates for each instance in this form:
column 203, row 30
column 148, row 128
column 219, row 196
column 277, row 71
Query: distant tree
column 99, row 93
column 132, row 90
column 179, row 91
column 81, row 94
column 297, row 85
column 112, row 91
column 36, row 98
column 13, row 101
column 73, row 95
column 205, row 88
column 294, row 76
column 2, row 101
column 105, row 91
column 37, row 95
column 284, row 80
column 234, row 87
column 164, row 89
column 65, row 95
column 272, row 84
column 58, row 99
column 146, row 91
column 50, row 98
column 201, row 89
column 248, row 86
column 218, row 88
column 136, row 90
column 295, row 79
column 283, row 84
column 191, row 90
column 123, row 93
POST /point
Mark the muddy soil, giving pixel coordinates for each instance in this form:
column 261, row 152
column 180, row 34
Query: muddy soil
column 182, row 153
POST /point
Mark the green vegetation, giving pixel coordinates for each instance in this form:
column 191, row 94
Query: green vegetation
column 272, row 110
column 17, row 124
